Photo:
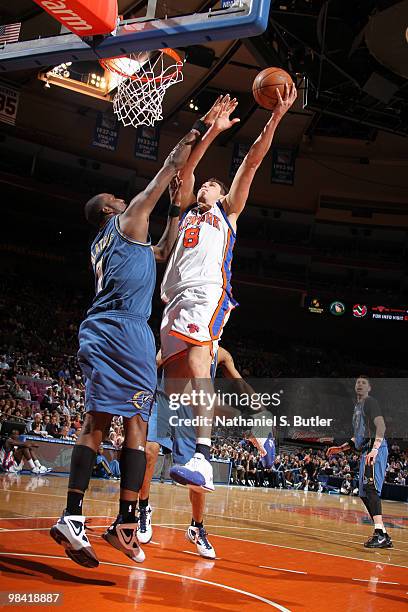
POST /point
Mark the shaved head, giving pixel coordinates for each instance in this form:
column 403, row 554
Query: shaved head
column 93, row 208
column 102, row 206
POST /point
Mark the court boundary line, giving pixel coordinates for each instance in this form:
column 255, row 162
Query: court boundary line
column 269, row 602
column 166, row 526
column 316, row 552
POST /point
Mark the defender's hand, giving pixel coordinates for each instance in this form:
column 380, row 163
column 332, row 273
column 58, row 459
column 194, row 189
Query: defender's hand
column 211, row 115
column 227, row 107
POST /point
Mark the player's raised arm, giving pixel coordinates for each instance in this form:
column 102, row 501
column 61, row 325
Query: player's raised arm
column 236, row 199
column 134, row 221
column 217, row 119
column 163, row 248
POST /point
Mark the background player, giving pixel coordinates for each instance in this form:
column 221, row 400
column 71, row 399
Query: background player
column 117, row 354
column 368, row 438
column 181, row 440
column 197, row 283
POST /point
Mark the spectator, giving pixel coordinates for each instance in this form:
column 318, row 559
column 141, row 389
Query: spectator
column 23, row 452
column 52, row 428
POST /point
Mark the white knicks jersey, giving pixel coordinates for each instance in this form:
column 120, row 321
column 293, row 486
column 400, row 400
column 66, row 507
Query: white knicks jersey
column 202, row 254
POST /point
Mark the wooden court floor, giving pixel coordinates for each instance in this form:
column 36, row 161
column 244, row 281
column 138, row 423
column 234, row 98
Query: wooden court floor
column 279, row 550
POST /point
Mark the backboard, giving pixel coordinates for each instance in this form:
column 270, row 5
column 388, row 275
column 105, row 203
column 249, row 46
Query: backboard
column 164, row 25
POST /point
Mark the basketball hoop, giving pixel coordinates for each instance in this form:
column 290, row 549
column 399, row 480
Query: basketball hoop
column 142, row 79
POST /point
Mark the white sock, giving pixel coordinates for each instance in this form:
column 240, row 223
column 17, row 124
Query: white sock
column 31, row 464
column 37, row 463
column 379, row 526
column 206, row 441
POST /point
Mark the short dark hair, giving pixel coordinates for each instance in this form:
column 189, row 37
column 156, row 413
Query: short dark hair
column 93, row 209
column 367, row 378
column 224, row 188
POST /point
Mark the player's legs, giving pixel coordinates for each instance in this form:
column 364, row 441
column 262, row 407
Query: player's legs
column 23, row 454
column 159, row 434
column 122, row 534
column 191, row 374
column 69, row 531
column 184, row 446
column 145, row 531
column 152, row 453
column 371, row 479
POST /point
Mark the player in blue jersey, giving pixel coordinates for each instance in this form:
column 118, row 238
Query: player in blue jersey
column 117, row 352
column 369, row 440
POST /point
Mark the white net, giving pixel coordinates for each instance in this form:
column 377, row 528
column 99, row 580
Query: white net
column 141, row 85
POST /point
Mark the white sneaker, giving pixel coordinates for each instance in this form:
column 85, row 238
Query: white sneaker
column 144, row 530
column 70, row 533
column 198, row 536
column 13, row 470
column 123, row 536
column 35, row 470
column 44, row 470
column 197, row 474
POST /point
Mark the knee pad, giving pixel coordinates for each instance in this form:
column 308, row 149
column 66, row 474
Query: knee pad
column 372, row 500
column 82, row 463
column 132, row 468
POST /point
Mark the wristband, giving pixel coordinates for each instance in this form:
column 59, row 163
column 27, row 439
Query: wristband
column 174, row 210
column 200, row 126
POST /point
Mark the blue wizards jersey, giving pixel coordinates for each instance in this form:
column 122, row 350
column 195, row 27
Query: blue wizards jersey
column 125, row 273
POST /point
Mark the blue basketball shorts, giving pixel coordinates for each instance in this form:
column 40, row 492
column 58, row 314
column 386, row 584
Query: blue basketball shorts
column 375, row 472
column 117, row 355
column 166, row 428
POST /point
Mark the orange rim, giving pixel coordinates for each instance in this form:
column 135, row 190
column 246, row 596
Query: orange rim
column 109, row 64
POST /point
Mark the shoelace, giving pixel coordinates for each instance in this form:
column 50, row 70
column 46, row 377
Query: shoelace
column 142, row 519
column 203, row 536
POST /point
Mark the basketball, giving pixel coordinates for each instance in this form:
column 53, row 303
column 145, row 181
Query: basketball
column 265, row 85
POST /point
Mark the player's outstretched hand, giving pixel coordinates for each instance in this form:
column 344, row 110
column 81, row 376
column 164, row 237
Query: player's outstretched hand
column 175, row 189
column 211, row 115
column 286, row 102
column 226, row 108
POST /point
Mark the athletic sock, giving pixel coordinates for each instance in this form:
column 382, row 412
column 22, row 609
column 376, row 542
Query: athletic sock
column 37, row 463
column 74, row 503
column 143, row 503
column 204, row 449
column 127, row 510
column 196, row 523
column 31, row 464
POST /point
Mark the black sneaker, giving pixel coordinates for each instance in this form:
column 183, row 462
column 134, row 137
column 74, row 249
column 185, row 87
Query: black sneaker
column 379, row 539
column 123, row 537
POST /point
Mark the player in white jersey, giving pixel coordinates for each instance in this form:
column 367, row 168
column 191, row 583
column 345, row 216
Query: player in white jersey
column 197, row 282
column 198, row 279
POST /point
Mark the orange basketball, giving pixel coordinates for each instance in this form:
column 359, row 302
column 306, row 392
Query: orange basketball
column 265, row 85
